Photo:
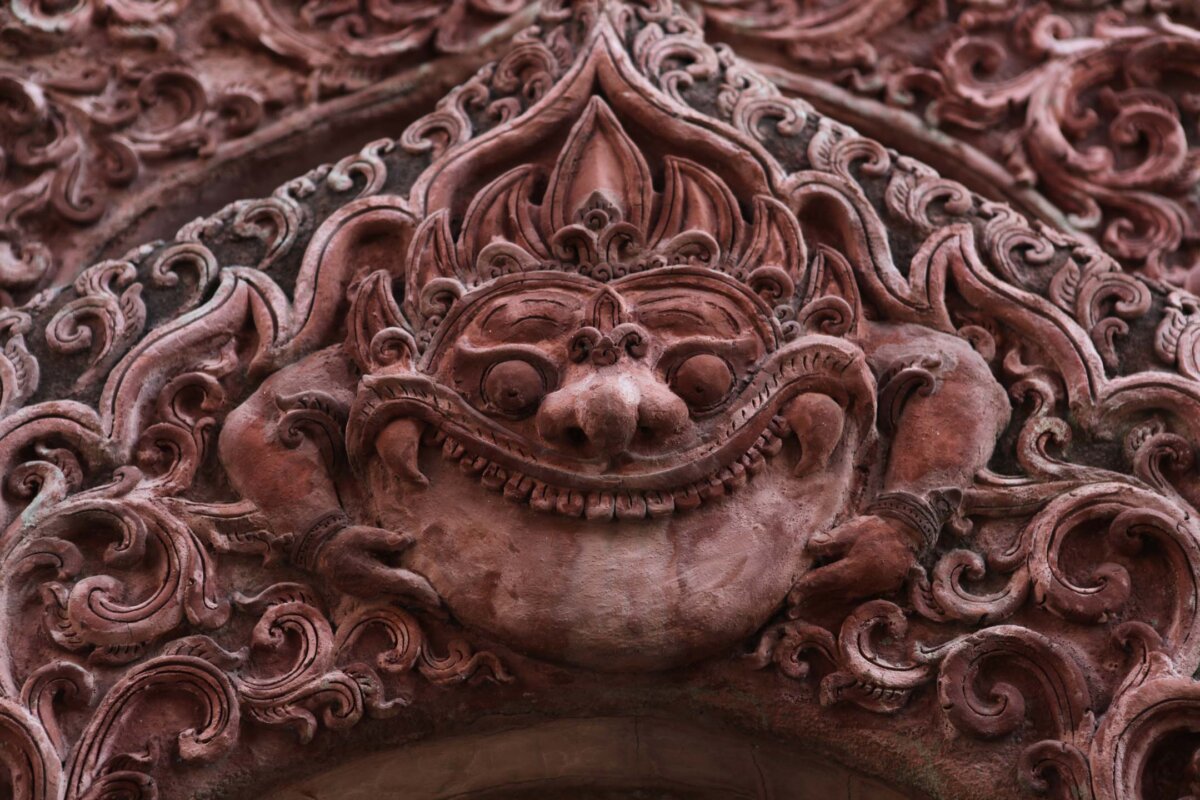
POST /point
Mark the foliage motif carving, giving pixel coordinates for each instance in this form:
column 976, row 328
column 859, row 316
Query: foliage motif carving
column 169, row 88
column 1085, row 104
column 1009, row 82
column 717, row 389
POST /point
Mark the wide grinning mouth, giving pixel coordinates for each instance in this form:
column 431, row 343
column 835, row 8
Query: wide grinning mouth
column 751, row 431
column 624, row 501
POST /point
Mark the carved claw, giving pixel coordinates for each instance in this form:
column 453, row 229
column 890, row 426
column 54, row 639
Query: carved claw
column 873, row 557
column 355, row 562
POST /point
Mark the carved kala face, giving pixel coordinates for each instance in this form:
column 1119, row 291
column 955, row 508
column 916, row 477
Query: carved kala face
column 590, row 437
column 621, row 391
column 600, row 371
column 579, row 507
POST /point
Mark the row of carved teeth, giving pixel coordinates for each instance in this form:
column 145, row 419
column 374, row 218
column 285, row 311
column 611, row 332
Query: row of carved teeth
column 620, row 504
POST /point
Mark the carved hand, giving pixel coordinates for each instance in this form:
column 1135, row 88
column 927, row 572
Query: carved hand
column 872, row 557
column 356, row 559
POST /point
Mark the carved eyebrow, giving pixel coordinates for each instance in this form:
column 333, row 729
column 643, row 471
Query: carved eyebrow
column 547, row 300
column 556, row 305
column 647, row 313
column 530, row 319
column 677, row 312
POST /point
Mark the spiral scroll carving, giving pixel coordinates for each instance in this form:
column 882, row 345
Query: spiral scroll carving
column 702, row 401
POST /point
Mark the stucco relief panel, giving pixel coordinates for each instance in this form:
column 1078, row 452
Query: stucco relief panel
column 618, row 377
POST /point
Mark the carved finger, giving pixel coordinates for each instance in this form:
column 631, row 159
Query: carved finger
column 841, row 579
column 378, row 540
column 829, row 544
column 403, row 583
column 391, row 542
column 873, row 566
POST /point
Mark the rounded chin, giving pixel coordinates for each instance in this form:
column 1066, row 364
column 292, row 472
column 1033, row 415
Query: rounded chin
column 614, row 596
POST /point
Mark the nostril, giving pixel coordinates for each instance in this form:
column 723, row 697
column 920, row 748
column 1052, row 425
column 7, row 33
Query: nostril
column 575, row 436
column 645, row 432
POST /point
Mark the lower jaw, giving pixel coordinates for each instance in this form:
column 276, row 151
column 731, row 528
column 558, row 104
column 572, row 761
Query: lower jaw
column 623, row 595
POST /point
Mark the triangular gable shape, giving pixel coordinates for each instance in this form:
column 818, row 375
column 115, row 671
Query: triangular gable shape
column 618, row 386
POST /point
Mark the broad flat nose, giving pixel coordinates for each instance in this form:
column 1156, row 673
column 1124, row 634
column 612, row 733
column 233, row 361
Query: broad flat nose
column 602, row 413
column 607, row 414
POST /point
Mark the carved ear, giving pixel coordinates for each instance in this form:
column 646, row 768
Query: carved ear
column 830, row 303
column 828, row 218
column 374, row 239
column 370, row 245
column 378, row 335
column 431, row 256
column 836, row 214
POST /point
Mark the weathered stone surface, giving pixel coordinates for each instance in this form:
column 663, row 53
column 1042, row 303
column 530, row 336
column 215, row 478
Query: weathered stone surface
column 126, row 116
column 1082, row 114
column 619, row 392
column 112, row 111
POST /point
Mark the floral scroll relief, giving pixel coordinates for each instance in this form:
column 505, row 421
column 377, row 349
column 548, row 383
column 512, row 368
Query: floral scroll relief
column 104, row 98
column 1041, row 609
column 1009, row 81
column 1078, row 103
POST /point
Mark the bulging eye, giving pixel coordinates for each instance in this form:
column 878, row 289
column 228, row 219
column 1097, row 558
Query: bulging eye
column 514, row 387
column 702, row 380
